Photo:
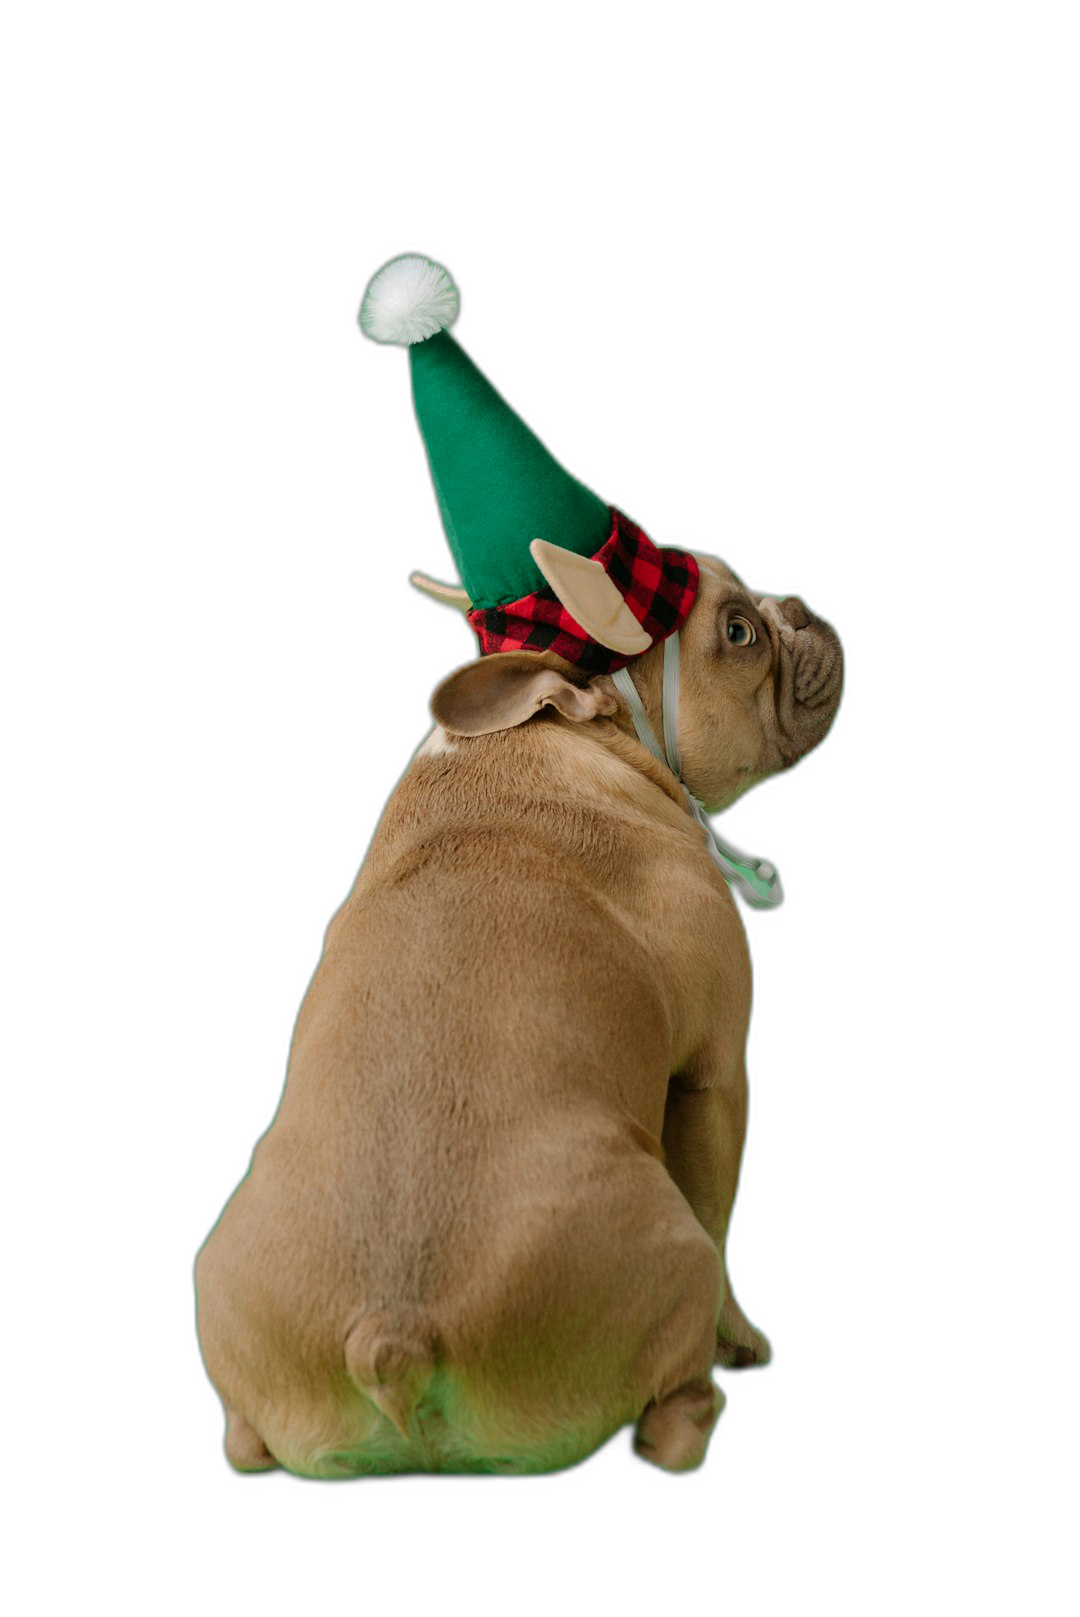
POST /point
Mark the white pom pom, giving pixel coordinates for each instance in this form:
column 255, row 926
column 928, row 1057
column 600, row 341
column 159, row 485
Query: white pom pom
column 408, row 300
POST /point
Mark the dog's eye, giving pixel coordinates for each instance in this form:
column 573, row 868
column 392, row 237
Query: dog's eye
column 741, row 633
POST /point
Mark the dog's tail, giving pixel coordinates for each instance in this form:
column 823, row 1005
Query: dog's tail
column 390, row 1355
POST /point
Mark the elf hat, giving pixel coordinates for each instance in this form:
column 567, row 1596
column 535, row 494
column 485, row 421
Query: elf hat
column 545, row 565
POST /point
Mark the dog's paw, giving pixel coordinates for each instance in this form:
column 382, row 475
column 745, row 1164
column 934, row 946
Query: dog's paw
column 244, row 1448
column 675, row 1433
column 743, row 1355
column 739, row 1345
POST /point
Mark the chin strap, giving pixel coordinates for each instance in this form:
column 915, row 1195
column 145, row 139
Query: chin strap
column 755, row 879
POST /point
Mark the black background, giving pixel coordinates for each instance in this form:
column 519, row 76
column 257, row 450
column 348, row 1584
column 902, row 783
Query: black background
column 755, row 405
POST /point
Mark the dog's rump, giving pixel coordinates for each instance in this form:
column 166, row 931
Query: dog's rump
column 573, row 1289
column 592, row 1291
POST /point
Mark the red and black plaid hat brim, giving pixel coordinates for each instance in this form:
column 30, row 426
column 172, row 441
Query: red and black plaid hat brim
column 658, row 586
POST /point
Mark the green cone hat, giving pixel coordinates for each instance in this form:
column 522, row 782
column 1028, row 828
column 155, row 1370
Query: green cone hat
column 545, row 565
column 498, row 488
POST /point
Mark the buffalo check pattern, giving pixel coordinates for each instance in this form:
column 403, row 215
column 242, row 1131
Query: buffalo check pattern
column 658, row 585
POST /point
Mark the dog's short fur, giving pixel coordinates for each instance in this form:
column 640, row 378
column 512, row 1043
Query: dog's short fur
column 486, row 1227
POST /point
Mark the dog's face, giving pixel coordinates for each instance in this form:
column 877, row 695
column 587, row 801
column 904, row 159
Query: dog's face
column 759, row 686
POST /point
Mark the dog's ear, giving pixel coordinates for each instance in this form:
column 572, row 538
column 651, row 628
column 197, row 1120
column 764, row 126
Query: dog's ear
column 505, row 689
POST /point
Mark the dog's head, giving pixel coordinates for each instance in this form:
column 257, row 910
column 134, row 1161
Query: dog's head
column 761, row 681
column 759, row 687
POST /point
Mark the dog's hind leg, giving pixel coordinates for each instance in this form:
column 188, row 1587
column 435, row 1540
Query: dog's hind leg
column 244, row 1448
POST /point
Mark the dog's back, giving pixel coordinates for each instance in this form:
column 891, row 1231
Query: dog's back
column 458, row 1247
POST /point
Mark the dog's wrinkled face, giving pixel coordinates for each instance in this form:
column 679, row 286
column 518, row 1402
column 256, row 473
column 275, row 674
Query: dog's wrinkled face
column 761, row 682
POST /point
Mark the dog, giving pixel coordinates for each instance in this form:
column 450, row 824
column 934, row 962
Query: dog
column 486, row 1228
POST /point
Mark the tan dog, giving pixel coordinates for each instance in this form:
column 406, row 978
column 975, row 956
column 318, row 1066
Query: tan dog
column 486, row 1228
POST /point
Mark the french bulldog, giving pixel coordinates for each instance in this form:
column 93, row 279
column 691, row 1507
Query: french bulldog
column 486, row 1228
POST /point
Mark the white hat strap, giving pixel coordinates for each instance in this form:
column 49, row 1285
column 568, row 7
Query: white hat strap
column 756, row 879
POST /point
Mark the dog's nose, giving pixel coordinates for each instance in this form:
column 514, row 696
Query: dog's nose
column 795, row 612
column 788, row 613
